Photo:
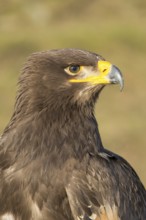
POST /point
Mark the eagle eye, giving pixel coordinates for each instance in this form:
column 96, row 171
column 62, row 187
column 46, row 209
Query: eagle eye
column 73, row 69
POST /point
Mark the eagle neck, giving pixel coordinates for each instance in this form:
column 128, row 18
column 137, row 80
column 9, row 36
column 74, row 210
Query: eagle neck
column 74, row 132
column 69, row 132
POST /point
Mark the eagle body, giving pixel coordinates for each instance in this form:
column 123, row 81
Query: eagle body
column 52, row 161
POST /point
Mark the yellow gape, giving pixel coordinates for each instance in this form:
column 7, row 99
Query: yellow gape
column 97, row 77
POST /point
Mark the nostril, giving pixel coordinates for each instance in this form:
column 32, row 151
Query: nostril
column 104, row 66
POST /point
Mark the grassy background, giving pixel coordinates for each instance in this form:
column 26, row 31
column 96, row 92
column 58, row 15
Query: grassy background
column 115, row 29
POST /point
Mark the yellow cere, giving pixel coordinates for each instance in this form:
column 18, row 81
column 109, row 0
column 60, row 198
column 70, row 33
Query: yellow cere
column 104, row 68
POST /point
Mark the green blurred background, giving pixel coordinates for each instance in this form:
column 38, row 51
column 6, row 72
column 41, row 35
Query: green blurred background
column 115, row 29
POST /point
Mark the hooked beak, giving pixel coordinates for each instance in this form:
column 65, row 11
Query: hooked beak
column 110, row 74
column 115, row 77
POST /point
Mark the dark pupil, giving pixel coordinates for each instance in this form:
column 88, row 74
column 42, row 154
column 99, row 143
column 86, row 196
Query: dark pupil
column 74, row 69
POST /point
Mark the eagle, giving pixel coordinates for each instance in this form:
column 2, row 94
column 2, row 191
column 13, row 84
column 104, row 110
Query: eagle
column 53, row 165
